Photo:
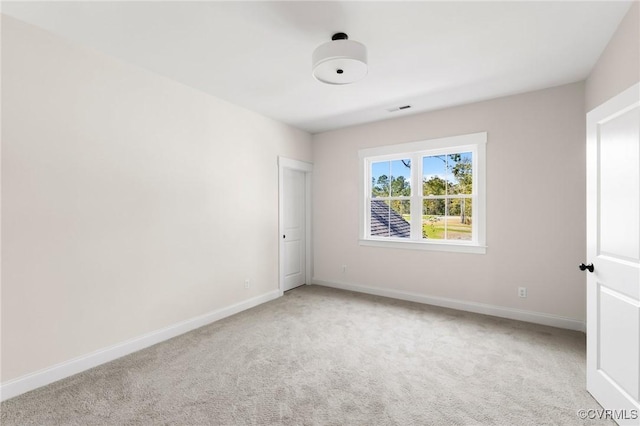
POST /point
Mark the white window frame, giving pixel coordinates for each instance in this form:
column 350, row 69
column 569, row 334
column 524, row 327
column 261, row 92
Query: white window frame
column 474, row 143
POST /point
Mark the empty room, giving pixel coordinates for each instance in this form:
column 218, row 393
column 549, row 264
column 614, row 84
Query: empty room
column 320, row 213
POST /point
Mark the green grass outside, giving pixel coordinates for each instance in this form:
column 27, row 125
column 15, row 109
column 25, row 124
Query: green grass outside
column 435, row 229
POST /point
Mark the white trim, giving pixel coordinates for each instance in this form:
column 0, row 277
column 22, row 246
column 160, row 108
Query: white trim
column 451, row 246
column 308, row 234
column 289, row 163
column 82, row 363
column 619, row 104
column 307, row 168
column 463, row 305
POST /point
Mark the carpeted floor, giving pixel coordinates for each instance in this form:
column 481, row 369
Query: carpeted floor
column 320, row 356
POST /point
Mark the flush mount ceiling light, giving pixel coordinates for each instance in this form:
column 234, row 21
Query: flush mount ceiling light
column 340, row 61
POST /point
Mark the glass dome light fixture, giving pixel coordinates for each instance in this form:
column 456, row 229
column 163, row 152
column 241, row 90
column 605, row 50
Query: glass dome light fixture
column 340, row 61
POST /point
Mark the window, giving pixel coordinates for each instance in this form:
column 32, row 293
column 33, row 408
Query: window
column 425, row 195
column 390, row 198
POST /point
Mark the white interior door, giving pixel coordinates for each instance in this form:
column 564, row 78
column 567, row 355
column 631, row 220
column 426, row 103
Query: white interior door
column 613, row 247
column 294, row 228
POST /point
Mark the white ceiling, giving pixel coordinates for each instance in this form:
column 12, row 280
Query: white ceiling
column 430, row 55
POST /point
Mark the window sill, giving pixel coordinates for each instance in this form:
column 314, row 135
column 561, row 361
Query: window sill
column 429, row 246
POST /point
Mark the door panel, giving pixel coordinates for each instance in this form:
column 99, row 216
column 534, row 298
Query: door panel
column 613, row 246
column 619, row 163
column 617, row 345
column 292, row 258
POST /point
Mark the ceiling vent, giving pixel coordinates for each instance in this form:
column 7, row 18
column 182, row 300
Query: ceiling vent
column 400, row 108
column 340, row 61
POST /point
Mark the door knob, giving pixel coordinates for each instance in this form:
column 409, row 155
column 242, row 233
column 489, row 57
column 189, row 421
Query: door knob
column 588, row 267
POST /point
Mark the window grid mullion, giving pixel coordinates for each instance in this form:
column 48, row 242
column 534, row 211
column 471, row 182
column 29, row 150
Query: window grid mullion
column 446, row 193
column 390, row 175
column 416, row 193
column 400, row 198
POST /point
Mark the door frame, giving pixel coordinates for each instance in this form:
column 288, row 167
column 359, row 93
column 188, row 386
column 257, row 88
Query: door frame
column 307, row 169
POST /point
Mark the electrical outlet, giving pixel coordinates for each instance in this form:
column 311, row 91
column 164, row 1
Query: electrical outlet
column 344, row 269
column 247, row 283
column 522, row 292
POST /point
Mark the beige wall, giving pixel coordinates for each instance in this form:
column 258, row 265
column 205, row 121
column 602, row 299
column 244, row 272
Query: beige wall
column 129, row 202
column 535, row 206
column 618, row 68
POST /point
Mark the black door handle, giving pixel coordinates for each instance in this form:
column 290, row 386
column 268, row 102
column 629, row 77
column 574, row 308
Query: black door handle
column 588, row 267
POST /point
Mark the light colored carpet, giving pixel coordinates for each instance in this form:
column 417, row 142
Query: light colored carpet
column 320, row 356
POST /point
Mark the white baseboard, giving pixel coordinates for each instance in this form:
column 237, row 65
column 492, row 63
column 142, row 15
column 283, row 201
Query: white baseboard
column 462, row 305
column 77, row 365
